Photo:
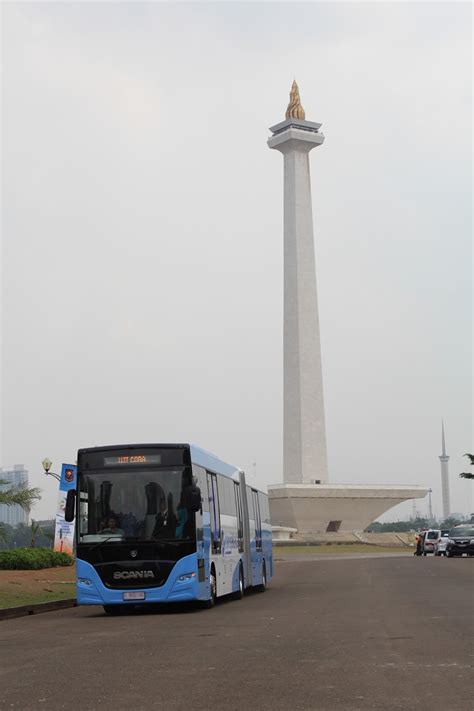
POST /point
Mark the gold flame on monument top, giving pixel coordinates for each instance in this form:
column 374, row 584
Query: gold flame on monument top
column 295, row 110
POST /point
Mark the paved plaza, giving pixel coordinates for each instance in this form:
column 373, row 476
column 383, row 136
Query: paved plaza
column 337, row 634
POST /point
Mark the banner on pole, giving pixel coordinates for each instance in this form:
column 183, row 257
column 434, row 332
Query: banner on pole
column 64, row 532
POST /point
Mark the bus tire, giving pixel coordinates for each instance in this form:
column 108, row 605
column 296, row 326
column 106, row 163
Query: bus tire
column 213, row 589
column 239, row 593
column 263, row 585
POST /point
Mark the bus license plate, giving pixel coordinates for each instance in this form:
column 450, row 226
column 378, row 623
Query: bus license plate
column 134, row 596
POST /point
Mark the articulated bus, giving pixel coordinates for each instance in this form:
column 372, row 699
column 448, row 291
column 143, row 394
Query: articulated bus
column 166, row 522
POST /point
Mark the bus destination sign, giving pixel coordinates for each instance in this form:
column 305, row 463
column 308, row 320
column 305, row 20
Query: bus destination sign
column 132, row 459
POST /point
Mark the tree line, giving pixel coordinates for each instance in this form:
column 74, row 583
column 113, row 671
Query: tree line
column 36, row 535
column 417, row 524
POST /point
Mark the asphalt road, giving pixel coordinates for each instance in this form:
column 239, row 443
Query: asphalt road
column 341, row 634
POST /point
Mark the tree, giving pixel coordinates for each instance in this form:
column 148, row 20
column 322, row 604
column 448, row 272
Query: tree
column 450, row 522
column 19, row 495
column 35, row 529
column 468, row 475
column 5, row 534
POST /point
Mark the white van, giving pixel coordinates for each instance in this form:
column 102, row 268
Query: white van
column 431, row 539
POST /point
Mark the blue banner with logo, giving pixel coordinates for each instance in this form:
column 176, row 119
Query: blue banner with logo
column 64, row 533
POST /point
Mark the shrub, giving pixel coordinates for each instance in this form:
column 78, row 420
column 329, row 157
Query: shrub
column 33, row 559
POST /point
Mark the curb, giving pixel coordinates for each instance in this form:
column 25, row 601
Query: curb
column 24, row 610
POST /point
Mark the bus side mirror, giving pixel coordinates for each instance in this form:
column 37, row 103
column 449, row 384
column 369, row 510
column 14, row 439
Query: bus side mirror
column 192, row 498
column 70, row 505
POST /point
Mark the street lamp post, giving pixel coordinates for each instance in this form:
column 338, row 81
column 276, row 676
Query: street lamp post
column 430, row 508
column 47, row 464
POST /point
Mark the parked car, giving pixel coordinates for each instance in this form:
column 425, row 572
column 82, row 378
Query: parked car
column 460, row 541
column 442, row 542
column 430, row 541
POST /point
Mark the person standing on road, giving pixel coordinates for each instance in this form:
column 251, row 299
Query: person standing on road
column 419, row 544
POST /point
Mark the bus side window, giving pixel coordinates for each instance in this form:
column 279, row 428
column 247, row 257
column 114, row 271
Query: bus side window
column 258, row 522
column 264, row 510
column 200, row 476
column 214, row 511
column 251, row 513
column 240, row 523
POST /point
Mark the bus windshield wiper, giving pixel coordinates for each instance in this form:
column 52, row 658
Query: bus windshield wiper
column 96, row 545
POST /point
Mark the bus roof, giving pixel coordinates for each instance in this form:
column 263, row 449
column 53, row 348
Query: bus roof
column 209, row 461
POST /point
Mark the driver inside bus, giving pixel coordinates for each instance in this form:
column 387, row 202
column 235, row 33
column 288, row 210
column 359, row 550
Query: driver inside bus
column 112, row 527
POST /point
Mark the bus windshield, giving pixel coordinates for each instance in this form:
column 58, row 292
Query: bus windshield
column 137, row 505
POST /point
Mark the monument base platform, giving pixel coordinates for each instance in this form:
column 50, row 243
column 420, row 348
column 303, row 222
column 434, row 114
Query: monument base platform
column 321, row 508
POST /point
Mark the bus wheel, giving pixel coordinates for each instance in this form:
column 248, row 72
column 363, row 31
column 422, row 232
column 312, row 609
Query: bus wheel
column 239, row 593
column 263, row 586
column 213, row 589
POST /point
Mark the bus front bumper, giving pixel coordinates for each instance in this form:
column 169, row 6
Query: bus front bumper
column 181, row 585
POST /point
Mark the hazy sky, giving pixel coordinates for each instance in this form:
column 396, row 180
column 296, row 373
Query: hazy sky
column 142, row 232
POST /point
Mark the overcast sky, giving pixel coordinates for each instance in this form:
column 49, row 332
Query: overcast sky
column 143, row 237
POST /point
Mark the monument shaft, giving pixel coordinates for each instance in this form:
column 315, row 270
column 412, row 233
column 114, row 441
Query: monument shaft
column 444, row 459
column 445, row 487
column 304, row 449
column 304, row 431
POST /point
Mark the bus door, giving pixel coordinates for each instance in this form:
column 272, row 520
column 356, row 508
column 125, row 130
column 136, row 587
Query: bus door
column 257, row 558
column 214, row 514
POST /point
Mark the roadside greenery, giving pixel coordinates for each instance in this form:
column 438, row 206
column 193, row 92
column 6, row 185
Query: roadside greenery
column 468, row 475
column 417, row 524
column 33, row 559
column 19, row 496
column 28, row 587
column 37, row 534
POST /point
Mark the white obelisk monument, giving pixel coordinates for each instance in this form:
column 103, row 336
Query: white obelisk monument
column 444, row 459
column 304, row 430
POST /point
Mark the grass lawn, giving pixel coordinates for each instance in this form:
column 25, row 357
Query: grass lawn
column 25, row 587
column 336, row 549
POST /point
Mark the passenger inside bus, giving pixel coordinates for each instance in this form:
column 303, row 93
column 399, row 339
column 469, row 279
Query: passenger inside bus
column 182, row 520
column 165, row 522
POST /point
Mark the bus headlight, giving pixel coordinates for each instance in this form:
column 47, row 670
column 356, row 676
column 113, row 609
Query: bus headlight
column 84, row 581
column 186, row 577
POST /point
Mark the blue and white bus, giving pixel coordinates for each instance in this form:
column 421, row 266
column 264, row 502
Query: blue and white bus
column 163, row 523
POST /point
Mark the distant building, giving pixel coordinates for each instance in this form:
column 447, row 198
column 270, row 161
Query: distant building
column 18, row 476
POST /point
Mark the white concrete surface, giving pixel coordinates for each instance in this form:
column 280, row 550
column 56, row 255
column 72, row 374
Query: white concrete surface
column 282, row 533
column 310, row 509
column 304, row 430
column 444, row 459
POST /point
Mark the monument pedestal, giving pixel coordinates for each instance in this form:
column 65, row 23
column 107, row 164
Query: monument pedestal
column 323, row 508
